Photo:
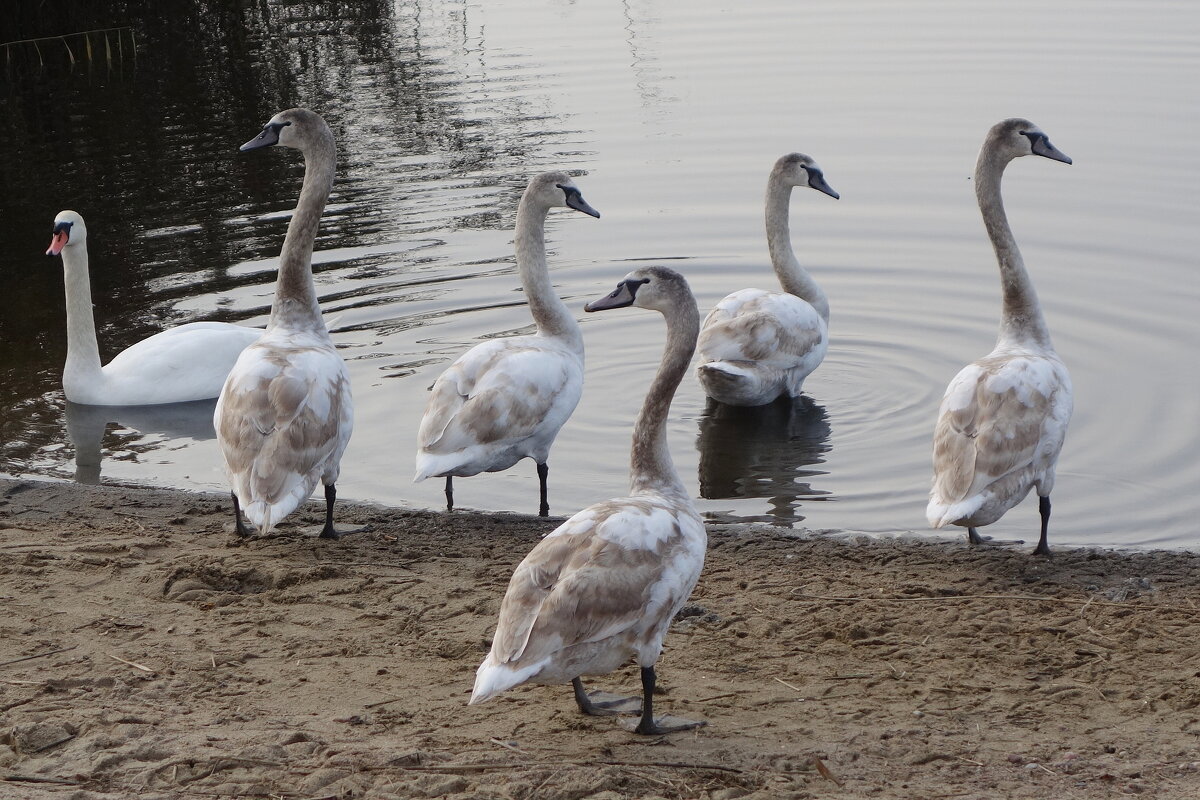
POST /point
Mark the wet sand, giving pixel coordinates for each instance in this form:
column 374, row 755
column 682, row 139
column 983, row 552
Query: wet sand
column 162, row 658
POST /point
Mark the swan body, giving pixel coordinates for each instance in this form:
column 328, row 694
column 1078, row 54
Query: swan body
column 178, row 365
column 285, row 415
column 604, row 586
column 506, row 399
column 1004, row 418
column 757, row 345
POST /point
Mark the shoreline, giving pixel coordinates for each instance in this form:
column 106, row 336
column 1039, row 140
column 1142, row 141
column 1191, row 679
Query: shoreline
column 162, row 658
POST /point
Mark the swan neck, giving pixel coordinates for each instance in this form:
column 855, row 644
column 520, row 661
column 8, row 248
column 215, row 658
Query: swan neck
column 549, row 312
column 295, row 304
column 651, row 467
column 792, row 277
column 83, row 351
column 1021, row 317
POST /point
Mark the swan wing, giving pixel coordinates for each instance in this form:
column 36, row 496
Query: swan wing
column 999, row 415
column 600, row 573
column 283, row 415
column 501, row 391
column 774, row 329
column 189, row 362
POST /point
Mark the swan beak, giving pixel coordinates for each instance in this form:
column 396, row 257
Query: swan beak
column 1042, row 147
column 268, row 137
column 57, row 242
column 577, row 202
column 621, row 297
column 816, row 180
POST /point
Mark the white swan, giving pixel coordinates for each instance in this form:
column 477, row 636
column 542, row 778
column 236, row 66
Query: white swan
column 178, row 365
column 506, row 399
column 285, row 415
column 1004, row 418
column 757, row 345
column 604, row 586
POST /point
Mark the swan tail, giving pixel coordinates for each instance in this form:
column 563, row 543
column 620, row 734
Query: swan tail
column 265, row 514
column 736, row 385
column 491, row 679
column 940, row 514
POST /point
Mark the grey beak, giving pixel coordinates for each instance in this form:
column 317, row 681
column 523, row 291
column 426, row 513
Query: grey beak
column 577, row 202
column 619, row 298
column 1042, row 147
column 816, row 180
column 268, row 137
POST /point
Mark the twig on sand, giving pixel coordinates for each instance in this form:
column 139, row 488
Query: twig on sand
column 39, row 779
column 379, row 703
column 793, row 687
column 487, row 766
column 507, row 745
column 950, row 598
column 825, row 771
column 38, row 655
column 133, row 664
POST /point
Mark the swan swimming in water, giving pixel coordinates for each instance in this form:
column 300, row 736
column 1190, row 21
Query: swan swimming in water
column 506, row 399
column 1003, row 418
column 181, row 364
column 284, row 418
column 603, row 587
column 757, row 345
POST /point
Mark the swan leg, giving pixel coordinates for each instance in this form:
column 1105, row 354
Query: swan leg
column 543, row 470
column 973, row 536
column 242, row 531
column 611, row 705
column 329, row 532
column 647, row 725
column 1043, row 549
column 449, row 492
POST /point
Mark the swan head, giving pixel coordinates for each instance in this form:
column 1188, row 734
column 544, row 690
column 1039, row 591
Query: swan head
column 1018, row 137
column 657, row 288
column 557, row 190
column 296, row 127
column 69, row 231
column 797, row 169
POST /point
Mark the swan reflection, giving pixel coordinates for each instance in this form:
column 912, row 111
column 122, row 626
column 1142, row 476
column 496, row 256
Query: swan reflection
column 764, row 451
column 86, row 426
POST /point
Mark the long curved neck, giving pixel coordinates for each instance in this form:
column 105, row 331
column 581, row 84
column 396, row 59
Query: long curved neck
column 793, row 277
column 651, row 468
column 551, row 314
column 295, row 303
column 83, row 352
column 1021, row 318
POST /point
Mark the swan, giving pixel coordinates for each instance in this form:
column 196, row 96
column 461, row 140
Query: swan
column 605, row 585
column 1003, row 418
column 506, row 399
column 757, row 345
column 285, row 414
column 178, row 365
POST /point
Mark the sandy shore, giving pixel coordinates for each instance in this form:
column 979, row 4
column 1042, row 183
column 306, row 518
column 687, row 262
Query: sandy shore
column 145, row 653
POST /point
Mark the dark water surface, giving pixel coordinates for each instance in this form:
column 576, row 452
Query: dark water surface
column 671, row 114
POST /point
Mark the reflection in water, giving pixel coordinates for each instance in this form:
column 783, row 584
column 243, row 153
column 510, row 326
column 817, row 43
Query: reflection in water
column 86, row 426
column 763, row 452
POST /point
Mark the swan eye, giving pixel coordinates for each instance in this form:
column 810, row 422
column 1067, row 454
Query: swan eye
column 63, row 227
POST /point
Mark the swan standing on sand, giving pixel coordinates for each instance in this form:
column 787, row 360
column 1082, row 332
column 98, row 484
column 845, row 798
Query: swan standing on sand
column 178, row 365
column 604, row 586
column 1004, row 418
column 757, row 345
column 506, row 399
column 284, row 417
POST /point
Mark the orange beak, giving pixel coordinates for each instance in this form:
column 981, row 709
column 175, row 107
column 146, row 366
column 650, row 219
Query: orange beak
column 57, row 243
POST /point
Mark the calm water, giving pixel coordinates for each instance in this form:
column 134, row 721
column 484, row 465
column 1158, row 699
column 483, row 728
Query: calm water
column 671, row 114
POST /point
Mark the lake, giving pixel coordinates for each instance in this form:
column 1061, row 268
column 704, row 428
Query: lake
column 671, row 114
